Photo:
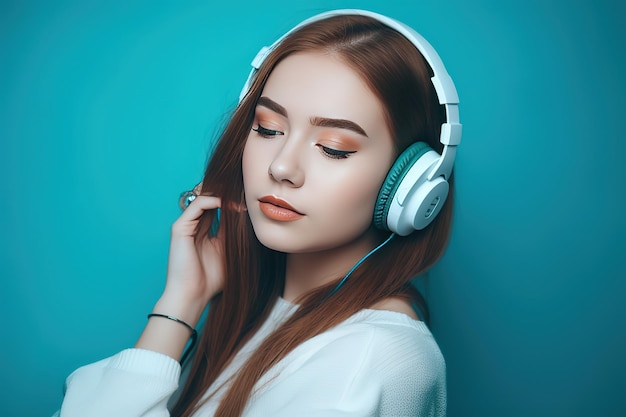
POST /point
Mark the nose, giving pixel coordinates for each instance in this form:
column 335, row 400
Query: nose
column 286, row 166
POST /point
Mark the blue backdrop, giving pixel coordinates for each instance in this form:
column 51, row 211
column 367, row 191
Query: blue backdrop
column 108, row 108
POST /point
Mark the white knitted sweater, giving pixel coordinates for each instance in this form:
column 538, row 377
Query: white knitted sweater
column 376, row 363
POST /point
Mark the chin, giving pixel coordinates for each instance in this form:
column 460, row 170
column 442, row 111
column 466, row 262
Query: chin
column 294, row 243
column 281, row 244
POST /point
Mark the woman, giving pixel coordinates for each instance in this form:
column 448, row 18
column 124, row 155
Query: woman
column 308, row 275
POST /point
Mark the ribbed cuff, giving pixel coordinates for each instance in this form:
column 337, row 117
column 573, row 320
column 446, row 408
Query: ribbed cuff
column 147, row 362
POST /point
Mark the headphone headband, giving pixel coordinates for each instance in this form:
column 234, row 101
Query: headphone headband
column 444, row 87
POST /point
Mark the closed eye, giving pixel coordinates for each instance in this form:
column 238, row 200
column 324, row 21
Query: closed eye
column 267, row 133
column 334, row 153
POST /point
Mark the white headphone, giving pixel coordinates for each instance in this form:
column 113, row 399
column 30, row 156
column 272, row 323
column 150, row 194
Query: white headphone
column 417, row 184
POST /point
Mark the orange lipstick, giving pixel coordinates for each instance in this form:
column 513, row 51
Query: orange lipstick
column 277, row 209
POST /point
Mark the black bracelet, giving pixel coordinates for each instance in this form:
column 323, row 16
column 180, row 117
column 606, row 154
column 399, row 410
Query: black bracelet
column 194, row 333
column 165, row 316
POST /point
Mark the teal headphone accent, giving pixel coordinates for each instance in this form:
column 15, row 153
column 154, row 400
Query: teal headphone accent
column 396, row 174
column 417, row 185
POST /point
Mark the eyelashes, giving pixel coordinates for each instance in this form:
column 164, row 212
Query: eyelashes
column 334, row 153
column 267, row 133
column 328, row 152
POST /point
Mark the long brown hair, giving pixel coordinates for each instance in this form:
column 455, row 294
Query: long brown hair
column 399, row 76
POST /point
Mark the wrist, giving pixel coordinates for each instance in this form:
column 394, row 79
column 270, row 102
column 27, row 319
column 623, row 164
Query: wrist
column 170, row 333
column 185, row 309
column 193, row 333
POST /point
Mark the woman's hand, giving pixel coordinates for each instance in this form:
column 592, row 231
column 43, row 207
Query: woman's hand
column 195, row 274
column 195, row 270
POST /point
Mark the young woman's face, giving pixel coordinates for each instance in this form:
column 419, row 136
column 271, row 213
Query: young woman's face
column 316, row 156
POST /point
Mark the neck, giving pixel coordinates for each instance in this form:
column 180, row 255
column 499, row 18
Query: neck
column 307, row 271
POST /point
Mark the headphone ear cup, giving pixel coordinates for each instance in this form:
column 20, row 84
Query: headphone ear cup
column 396, row 174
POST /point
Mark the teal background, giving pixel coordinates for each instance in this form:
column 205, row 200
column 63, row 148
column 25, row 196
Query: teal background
column 108, row 109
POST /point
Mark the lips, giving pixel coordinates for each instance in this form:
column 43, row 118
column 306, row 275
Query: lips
column 278, row 209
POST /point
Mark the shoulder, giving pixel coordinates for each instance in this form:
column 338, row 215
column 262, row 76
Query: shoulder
column 398, row 345
column 379, row 344
column 391, row 354
column 377, row 362
column 396, row 304
column 404, row 359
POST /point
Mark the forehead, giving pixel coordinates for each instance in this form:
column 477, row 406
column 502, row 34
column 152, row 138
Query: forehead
column 318, row 84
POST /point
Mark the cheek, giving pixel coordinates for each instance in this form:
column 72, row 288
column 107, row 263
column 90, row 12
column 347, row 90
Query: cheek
column 363, row 195
column 257, row 156
column 355, row 202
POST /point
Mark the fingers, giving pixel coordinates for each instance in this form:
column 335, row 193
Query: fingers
column 194, row 205
column 185, row 225
column 199, row 205
column 186, row 197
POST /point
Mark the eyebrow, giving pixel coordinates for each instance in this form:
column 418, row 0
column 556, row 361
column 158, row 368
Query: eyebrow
column 272, row 105
column 338, row 123
column 315, row 121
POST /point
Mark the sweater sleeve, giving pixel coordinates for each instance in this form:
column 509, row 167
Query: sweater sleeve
column 386, row 371
column 132, row 383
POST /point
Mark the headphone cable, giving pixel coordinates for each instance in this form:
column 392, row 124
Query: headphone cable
column 359, row 262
